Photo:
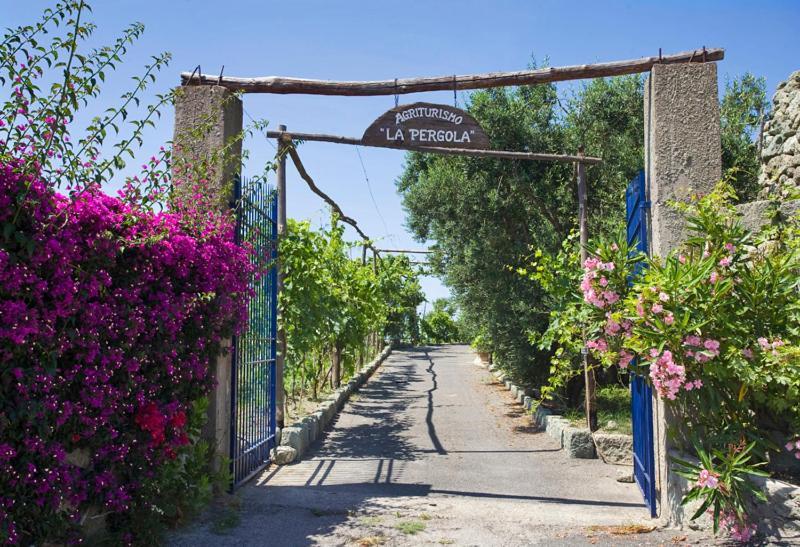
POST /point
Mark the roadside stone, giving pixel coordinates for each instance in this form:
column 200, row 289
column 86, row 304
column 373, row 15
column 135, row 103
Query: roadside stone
column 283, row 455
column 578, row 443
column 554, row 426
column 625, row 475
column 526, row 402
column 296, row 437
column 539, row 417
column 312, row 425
column 614, row 448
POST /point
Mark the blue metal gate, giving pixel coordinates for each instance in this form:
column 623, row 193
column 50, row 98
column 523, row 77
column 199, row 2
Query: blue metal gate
column 636, row 205
column 254, row 351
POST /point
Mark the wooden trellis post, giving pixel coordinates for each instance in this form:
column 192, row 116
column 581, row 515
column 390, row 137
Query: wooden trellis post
column 588, row 372
column 280, row 359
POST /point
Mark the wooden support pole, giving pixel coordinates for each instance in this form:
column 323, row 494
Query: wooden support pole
column 280, row 360
column 337, row 366
column 503, row 154
column 588, row 372
column 284, row 85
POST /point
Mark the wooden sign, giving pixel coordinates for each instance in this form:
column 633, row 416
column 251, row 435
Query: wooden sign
column 426, row 124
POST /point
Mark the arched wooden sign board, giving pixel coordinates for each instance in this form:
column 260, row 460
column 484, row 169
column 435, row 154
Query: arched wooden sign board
column 426, row 124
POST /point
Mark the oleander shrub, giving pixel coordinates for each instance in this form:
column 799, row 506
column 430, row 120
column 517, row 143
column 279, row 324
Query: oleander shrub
column 714, row 326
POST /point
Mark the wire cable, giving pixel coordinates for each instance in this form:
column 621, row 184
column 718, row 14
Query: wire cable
column 372, row 196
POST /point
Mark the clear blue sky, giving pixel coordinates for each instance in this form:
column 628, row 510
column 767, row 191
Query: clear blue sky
column 372, row 39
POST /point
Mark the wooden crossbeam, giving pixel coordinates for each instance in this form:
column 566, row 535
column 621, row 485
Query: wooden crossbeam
column 286, row 85
column 506, row 154
column 406, row 251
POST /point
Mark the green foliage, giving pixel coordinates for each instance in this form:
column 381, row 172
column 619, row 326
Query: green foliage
column 729, row 493
column 715, row 327
column 482, row 342
column 401, row 292
column 743, row 109
column 331, row 303
column 180, row 489
column 439, row 326
column 486, row 215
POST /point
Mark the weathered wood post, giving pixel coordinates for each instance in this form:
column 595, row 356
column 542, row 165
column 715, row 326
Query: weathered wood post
column 280, row 359
column 208, row 127
column 590, row 384
column 682, row 157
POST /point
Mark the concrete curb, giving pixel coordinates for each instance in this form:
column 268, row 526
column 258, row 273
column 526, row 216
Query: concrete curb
column 301, row 435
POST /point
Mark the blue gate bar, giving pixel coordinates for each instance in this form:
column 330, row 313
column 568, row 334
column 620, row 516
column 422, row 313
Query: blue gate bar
column 253, row 389
column 636, row 206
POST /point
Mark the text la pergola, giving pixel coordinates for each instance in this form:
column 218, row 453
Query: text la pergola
column 397, row 134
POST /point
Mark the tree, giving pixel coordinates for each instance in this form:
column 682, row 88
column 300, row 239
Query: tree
column 743, row 109
column 440, row 326
column 486, row 215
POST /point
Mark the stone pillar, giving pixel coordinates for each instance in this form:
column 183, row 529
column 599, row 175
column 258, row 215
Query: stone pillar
column 682, row 144
column 208, row 127
column 682, row 157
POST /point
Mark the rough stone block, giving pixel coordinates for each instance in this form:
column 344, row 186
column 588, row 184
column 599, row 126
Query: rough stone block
column 283, row 455
column 614, row 448
column 514, row 390
column 296, row 437
column 555, row 425
column 578, row 443
column 312, row 426
column 508, row 384
column 322, row 422
column 526, row 402
column 539, row 417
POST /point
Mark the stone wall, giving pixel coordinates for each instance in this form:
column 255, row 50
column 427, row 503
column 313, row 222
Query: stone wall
column 780, row 148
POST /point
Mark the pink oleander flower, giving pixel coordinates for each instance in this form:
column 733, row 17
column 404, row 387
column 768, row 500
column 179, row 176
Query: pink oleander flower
column 657, row 308
column 667, row 376
column 682, row 259
column 692, row 340
column 707, row 479
column 612, row 327
column 725, row 261
column 730, row 247
column 625, row 359
column 714, row 277
column 669, row 319
column 711, row 345
column 747, row 353
column 664, row 297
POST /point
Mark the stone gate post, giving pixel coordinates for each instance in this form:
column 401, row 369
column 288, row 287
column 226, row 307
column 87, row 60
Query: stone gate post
column 682, row 157
column 208, row 121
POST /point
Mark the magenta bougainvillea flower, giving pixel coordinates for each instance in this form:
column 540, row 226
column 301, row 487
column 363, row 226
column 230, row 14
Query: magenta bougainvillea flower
column 109, row 315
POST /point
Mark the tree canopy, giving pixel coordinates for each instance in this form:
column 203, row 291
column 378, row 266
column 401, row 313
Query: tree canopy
column 487, row 216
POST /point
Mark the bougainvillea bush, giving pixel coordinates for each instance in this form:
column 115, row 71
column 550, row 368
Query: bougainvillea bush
column 109, row 319
column 715, row 329
column 111, row 307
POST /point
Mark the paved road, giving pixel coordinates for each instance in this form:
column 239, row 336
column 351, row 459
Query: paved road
column 432, row 451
